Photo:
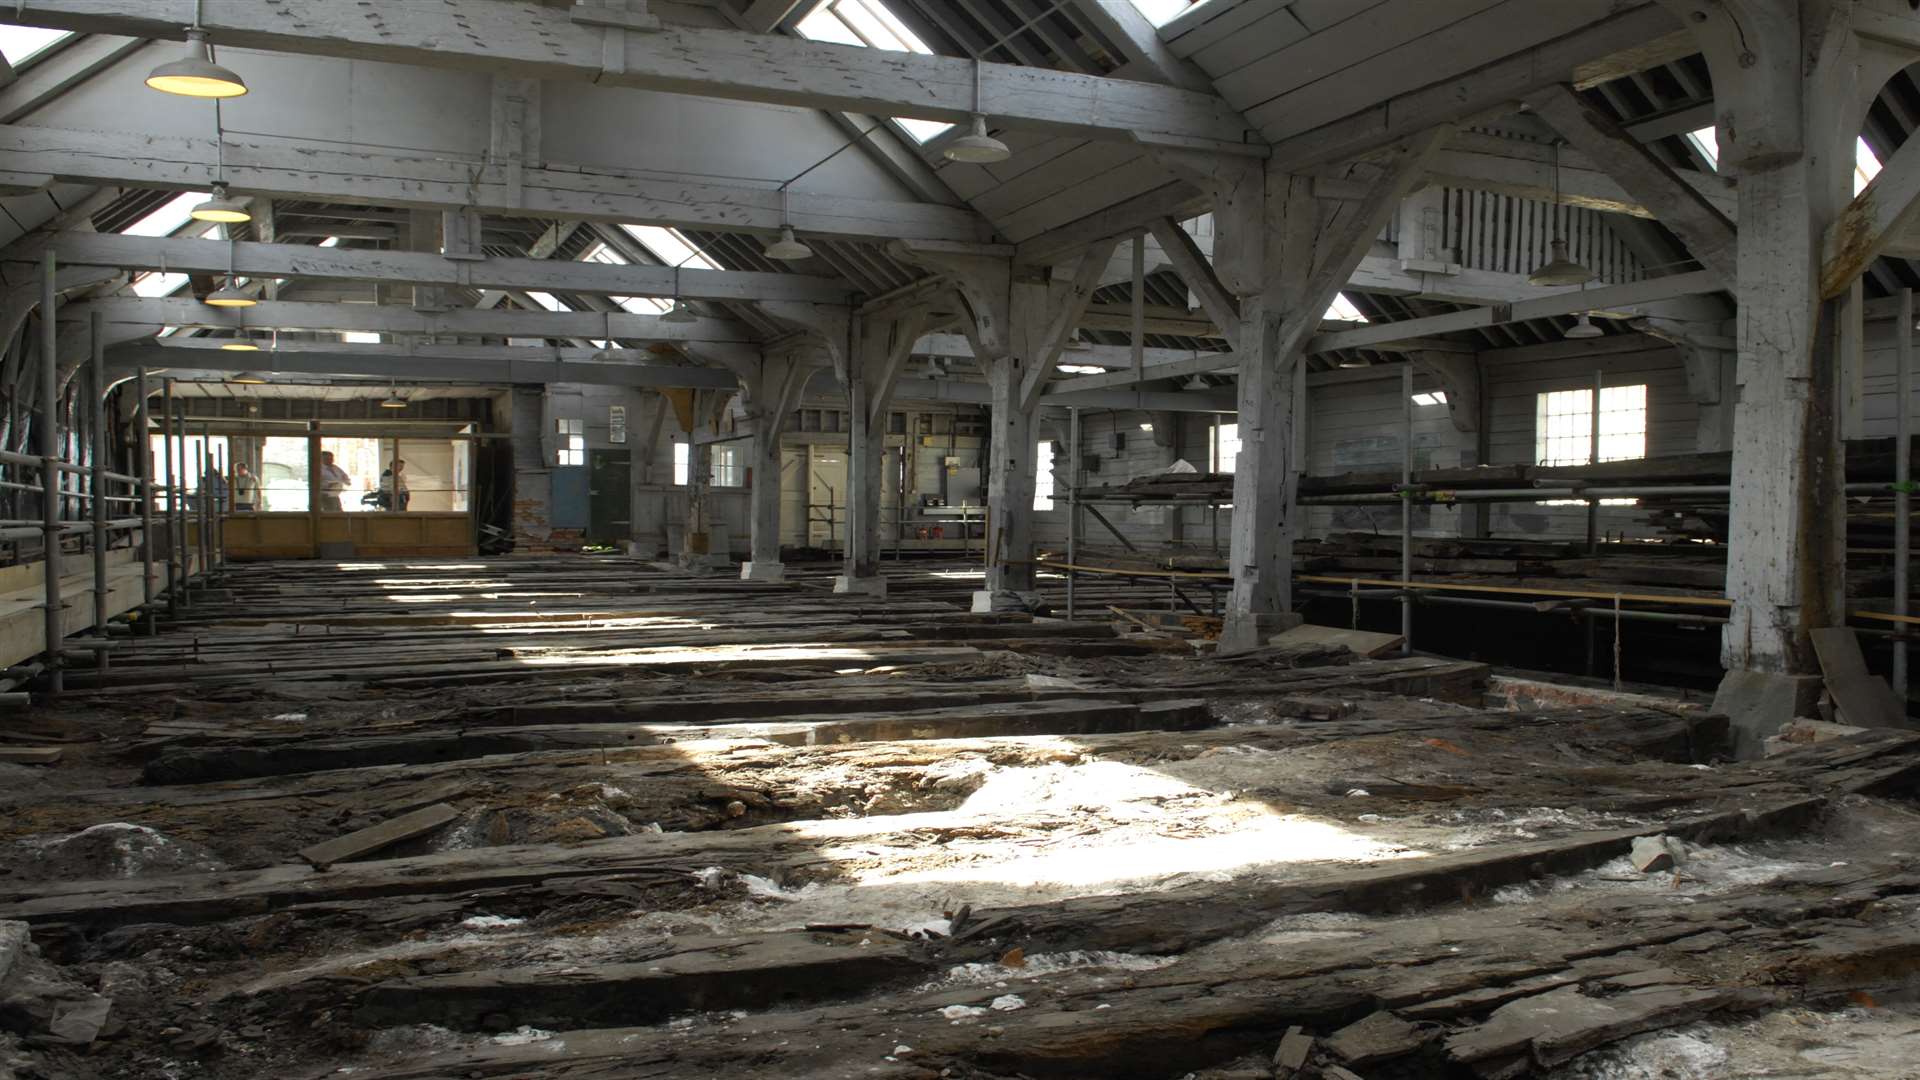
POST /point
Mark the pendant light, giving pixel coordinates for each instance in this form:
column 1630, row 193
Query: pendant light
column 977, row 147
column 393, row 399
column 230, row 295
column 1582, row 329
column 1559, row 270
column 242, row 343
column 248, row 378
column 222, row 208
column 1198, row 382
column 195, row 75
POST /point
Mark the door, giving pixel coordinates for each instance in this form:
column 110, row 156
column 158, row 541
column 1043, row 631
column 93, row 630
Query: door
column 609, row 496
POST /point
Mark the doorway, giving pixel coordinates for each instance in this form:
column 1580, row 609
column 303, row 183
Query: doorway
column 609, row 496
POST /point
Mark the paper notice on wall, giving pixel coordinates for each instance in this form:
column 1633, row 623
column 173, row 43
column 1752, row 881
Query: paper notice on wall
column 617, row 423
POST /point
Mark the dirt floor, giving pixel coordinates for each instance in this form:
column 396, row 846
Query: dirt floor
column 893, row 840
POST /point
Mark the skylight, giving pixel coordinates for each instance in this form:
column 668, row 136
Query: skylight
column 169, row 217
column 360, row 337
column 548, row 301
column 1162, row 12
column 638, row 305
column 670, row 246
column 1342, row 310
column 869, row 24
column 22, row 43
column 1866, row 165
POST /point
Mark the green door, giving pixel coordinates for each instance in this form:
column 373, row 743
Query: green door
column 609, row 496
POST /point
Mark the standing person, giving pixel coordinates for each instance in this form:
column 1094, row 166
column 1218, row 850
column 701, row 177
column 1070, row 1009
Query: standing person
column 214, row 487
column 393, row 485
column 246, row 489
column 333, row 481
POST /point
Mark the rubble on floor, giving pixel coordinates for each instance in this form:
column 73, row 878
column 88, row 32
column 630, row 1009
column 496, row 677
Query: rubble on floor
column 496, row 820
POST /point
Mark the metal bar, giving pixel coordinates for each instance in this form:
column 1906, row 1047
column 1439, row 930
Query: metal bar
column 1073, row 500
column 55, row 623
column 204, row 524
column 143, row 465
column 1406, row 506
column 173, row 497
column 1902, row 495
column 97, row 411
column 1593, row 458
column 1117, row 534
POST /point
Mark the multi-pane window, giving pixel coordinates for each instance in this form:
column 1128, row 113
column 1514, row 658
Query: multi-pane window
column 573, row 442
column 729, row 468
column 1225, row 449
column 726, row 466
column 1563, row 428
column 1043, row 475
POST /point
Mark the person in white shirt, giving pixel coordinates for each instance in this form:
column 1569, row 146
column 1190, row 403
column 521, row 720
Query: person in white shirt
column 333, row 481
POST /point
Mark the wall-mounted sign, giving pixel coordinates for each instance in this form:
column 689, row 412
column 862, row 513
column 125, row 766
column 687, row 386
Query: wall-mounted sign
column 617, row 423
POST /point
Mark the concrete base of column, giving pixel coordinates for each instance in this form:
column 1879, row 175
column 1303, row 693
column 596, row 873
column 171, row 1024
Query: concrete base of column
column 763, row 571
column 705, row 562
column 860, row 586
column 1758, row 704
column 992, row 600
column 1250, row 631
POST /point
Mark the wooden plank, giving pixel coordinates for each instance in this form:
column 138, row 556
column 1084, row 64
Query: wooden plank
column 702, row 973
column 1366, row 643
column 386, row 834
column 1864, row 698
column 30, row 755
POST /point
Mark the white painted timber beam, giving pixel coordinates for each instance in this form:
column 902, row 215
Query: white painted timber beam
column 1617, row 300
column 1879, row 221
column 394, row 319
column 1613, row 300
column 483, row 365
column 533, row 41
column 305, row 261
column 301, row 170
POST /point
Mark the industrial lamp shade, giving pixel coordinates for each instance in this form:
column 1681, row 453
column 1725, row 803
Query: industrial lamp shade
column 1560, row 270
column 393, row 401
column 1584, row 328
column 679, row 314
column 193, row 75
column 230, row 295
column 240, row 346
column 222, row 208
column 248, row 378
column 977, row 147
column 787, row 248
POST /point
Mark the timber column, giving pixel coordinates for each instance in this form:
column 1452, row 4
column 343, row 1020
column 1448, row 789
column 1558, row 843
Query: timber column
column 771, row 394
column 1018, row 320
column 1283, row 250
column 882, row 344
column 1793, row 83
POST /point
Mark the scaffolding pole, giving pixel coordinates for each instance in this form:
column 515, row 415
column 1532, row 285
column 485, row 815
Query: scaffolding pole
column 97, row 413
column 1902, row 495
column 1406, row 507
column 55, row 624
